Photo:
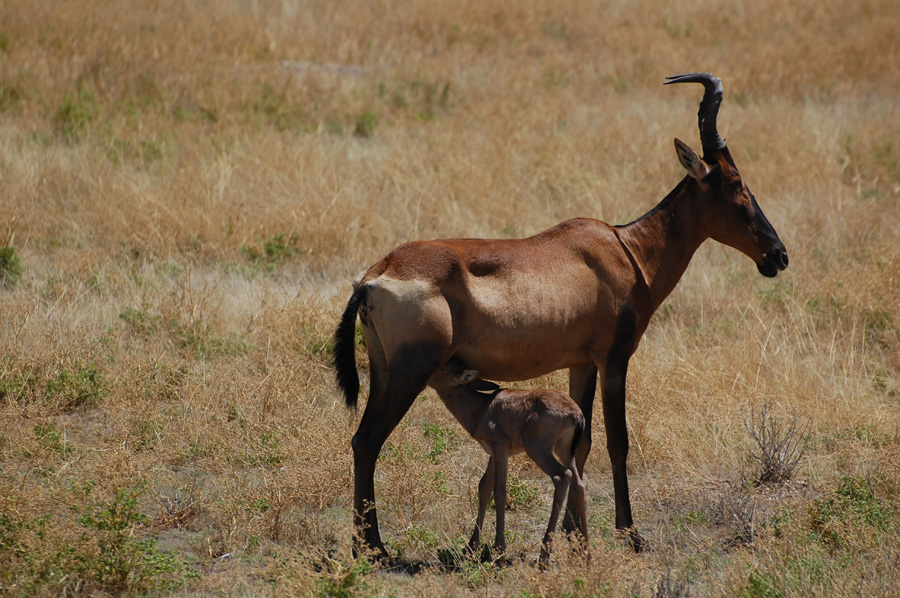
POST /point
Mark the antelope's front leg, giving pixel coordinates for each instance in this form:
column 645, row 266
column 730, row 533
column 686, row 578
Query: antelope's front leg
column 613, row 393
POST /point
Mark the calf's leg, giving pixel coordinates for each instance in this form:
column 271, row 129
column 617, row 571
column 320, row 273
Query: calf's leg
column 562, row 479
column 501, row 471
column 485, row 489
column 582, row 388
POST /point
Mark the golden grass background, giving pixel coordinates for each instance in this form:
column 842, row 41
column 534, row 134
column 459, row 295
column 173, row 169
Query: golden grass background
column 190, row 188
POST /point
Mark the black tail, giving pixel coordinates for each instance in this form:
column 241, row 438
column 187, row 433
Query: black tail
column 345, row 350
column 576, row 435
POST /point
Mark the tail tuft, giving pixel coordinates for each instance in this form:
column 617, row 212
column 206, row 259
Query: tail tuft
column 576, row 436
column 345, row 350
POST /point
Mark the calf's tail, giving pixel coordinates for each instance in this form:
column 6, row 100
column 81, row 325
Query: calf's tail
column 576, row 435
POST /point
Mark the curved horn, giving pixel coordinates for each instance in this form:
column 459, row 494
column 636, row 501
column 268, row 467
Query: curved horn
column 709, row 108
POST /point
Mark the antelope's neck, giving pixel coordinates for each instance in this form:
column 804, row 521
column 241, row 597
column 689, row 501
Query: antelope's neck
column 663, row 241
column 467, row 407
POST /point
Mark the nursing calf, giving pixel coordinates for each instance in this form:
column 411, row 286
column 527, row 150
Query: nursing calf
column 508, row 422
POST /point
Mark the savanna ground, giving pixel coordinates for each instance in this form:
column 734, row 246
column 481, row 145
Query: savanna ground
column 188, row 188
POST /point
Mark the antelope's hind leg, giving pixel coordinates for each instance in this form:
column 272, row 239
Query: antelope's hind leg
column 408, row 331
column 394, row 387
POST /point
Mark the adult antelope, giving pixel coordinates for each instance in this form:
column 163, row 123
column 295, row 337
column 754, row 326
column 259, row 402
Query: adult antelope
column 577, row 296
column 508, row 422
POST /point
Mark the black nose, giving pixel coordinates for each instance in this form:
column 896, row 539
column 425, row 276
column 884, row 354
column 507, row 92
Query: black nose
column 774, row 260
column 781, row 258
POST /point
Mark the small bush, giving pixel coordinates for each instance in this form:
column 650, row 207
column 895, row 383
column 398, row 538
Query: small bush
column 440, row 438
column 365, row 124
column 52, row 439
column 72, row 389
column 197, row 340
column 179, row 506
column 10, row 267
column 521, row 495
column 339, row 579
column 16, row 386
column 667, row 587
column 124, row 561
column 852, row 506
column 24, row 566
column 421, row 537
column 762, row 584
column 778, row 449
column 274, row 250
column 41, row 556
column 74, row 115
column 736, row 510
column 141, row 322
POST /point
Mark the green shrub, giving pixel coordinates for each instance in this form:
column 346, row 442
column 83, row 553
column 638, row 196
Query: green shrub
column 521, row 494
column 107, row 552
column 341, row 580
column 365, row 124
column 440, row 438
column 10, row 267
column 72, row 389
column 852, row 506
column 16, row 385
column 52, row 439
column 141, row 322
column 23, row 564
column 761, row 584
column 123, row 561
column 197, row 340
column 274, row 250
column 74, row 115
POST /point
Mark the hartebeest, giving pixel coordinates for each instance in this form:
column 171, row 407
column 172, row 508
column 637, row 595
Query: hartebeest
column 507, row 422
column 577, row 296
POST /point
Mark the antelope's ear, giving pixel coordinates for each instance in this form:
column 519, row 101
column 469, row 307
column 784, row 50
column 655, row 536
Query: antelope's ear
column 695, row 166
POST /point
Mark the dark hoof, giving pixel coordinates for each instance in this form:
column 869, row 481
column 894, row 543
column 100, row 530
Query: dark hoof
column 373, row 554
column 577, row 542
column 402, row 566
column 634, row 539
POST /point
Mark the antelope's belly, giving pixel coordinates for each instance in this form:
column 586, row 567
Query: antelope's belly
column 521, row 357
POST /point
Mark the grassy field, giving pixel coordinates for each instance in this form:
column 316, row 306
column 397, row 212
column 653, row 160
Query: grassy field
column 187, row 190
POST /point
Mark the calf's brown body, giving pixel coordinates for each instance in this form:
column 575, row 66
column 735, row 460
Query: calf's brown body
column 508, row 422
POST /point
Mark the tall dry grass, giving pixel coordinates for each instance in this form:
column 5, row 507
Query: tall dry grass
column 189, row 189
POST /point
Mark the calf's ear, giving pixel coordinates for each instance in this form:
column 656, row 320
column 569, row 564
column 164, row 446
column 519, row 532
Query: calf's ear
column 483, row 385
column 467, row 376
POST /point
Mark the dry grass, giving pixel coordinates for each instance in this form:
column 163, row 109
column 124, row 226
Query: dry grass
column 190, row 187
